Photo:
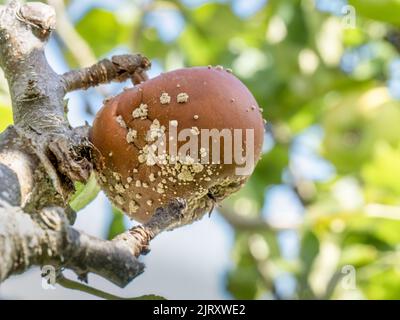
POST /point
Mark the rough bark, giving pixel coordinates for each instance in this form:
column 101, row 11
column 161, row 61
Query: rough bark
column 41, row 156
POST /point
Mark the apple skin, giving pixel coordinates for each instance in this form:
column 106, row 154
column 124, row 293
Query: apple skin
column 200, row 98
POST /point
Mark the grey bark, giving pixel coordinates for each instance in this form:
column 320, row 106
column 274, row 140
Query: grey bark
column 41, row 156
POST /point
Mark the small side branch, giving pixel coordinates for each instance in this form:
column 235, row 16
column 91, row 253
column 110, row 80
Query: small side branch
column 119, row 68
column 138, row 238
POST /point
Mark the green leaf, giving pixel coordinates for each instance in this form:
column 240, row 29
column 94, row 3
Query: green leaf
column 358, row 255
column 85, row 193
column 117, row 225
column 270, row 168
column 103, row 32
column 6, row 117
column 382, row 284
column 383, row 172
column 380, row 232
column 383, row 10
column 355, row 125
column 242, row 282
column 309, row 250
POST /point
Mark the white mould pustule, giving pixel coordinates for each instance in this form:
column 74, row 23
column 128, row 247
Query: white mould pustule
column 156, row 131
column 133, row 206
column 165, row 98
column 116, row 176
column 182, row 97
column 119, row 188
column 131, row 135
column 120, row 121
column 119, row 200
column 195, row 131
column 140, row 112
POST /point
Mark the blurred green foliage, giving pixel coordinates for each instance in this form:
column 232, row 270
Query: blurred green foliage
column 292, row 57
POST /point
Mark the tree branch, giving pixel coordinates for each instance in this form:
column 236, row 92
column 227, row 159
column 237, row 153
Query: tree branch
column 41, row 156
column 27, row 240
column 119, row 68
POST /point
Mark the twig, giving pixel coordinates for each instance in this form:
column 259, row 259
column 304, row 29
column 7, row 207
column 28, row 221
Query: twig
column 74, row 285
column 119, row 68
column 137, row 239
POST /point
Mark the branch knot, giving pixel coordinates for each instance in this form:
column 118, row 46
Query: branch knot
column 39, row 16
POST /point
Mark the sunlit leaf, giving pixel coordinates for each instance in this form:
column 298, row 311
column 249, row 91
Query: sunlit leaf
column 382, row 283
column 6, row 117
column 85, row 193
column 383, row 10
column 101, row 29
column 117, row 225
column 383, row 172
column 242, row 283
